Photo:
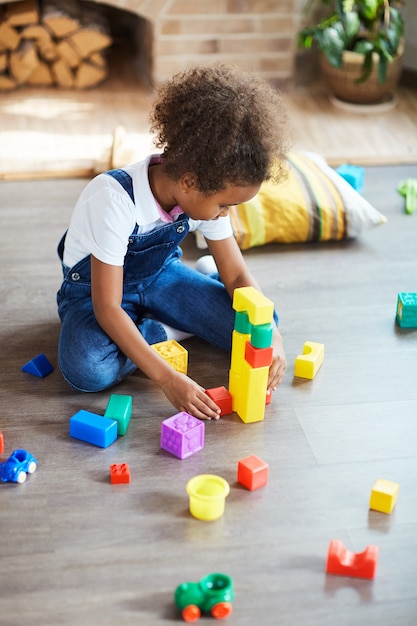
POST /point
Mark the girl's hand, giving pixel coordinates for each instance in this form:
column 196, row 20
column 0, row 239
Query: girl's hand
column 279, row 363
column 186, row 395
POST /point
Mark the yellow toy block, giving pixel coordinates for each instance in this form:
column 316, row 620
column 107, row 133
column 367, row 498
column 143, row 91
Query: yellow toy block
column 384, row 495
column 253, row 381
column 238, row 350
column 173, row 353
column 308, row 364
column 234, row 386
column 260, row 309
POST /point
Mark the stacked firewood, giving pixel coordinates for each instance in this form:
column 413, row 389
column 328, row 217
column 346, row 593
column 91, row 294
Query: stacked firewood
column 54, row 43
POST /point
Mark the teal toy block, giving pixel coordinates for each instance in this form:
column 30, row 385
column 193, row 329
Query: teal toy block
column 93, row 428
column 353, row 174
column 119, row 408
column 406, row 315
column 261, row 335
column 242, row 323
column 38, row 366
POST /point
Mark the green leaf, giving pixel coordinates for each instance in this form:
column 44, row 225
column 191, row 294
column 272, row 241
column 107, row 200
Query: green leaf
column 351, row 25
column 366, row 68
column 331, row 42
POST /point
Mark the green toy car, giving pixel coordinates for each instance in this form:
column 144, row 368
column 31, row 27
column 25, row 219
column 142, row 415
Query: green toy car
column 212, row 594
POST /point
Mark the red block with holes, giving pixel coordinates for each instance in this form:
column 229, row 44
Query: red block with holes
column 345, row 563
column 222, row 398
column 119, row 474
column 258, row 357
column 252, row 472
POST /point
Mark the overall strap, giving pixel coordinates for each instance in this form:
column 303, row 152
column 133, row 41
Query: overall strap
column 124, row 179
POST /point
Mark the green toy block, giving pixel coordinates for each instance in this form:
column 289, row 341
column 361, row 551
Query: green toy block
column 119, row 408
column 242, row 323
column 261, row 335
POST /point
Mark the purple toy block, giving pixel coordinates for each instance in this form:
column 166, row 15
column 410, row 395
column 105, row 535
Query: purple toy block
column 182, row 435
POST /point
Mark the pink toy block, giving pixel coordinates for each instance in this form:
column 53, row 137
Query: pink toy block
column 258, row 357
column 252, row 472
column 1, row 443
column 119, row 474
column 222, row 398
column 345, row 563
column 182, row 435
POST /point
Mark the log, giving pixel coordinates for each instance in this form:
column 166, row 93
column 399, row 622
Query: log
column 89, row 40
column 62, row 74
column 23, row 62
column 41, row 77
column 9, row 37
column 89, row 75
column 7, row 83
column 4, row 62
column 67, row 52
column 22, row 13
column 61, row 16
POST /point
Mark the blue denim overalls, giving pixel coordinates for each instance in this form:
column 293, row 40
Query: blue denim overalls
column 157, row 287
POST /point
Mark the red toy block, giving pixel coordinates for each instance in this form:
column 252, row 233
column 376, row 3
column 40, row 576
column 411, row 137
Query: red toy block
column 258, row 357
column 345, row 563
column 268, row 399
column 252, row 472
column 1, row 443
column 119, row 474
column 222, row 398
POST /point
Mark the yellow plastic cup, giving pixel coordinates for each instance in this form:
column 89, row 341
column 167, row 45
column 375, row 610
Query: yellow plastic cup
column 207, row 496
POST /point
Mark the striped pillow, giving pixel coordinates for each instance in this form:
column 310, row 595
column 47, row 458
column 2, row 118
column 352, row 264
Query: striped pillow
column 314, row 204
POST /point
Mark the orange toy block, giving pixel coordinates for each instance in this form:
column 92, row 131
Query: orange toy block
column 222, row 398
column 252, row 472
column 258, row 357
column 119, row 474
column 345, row 563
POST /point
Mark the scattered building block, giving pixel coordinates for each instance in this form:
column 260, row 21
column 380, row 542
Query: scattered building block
column 222, row 398
column 259, row 308
column 308, row 364
column 406, row 315
column 268, row 399
column 182, row 435
column 384, row 495
column 258, row 357
column 345, row 563
column 93, row 428
column 1, row 443
column 252, row 472
column 38, row 366
column 119, row 474
column 119, row 408
column 353, row 174
column 173, row 353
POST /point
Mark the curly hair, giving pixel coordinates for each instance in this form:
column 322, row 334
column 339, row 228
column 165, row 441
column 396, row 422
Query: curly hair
column 222, row 125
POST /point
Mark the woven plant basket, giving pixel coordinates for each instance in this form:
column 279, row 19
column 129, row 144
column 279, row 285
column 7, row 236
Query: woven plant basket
column 341, row 81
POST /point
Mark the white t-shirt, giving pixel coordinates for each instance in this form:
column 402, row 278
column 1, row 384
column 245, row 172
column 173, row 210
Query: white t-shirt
column 104, row 217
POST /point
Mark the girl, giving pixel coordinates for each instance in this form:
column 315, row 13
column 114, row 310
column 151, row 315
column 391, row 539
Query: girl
column 221, row 132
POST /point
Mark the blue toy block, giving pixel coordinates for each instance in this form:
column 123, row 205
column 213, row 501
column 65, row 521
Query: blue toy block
column 93, row 428
column 119, row 408
column 38, row 366
column 353, row 174
column 182, row 435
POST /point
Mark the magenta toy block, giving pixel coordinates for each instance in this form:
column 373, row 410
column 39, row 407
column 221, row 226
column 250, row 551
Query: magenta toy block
column 222, row 398
column 38, row 366
column 93, row 428
column 252, row 472
column 1, row 443
column 182, row 435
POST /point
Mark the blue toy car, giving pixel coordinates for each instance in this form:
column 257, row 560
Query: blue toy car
column 213, row 593
column 18, row 465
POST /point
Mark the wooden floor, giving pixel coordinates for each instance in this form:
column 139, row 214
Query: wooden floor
column 53, row 133
column 76, row 550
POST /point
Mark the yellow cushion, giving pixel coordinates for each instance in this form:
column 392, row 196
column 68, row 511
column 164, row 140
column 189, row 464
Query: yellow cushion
column 314, row 204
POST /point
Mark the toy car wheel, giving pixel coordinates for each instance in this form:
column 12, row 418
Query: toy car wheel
column 21, row 477
column 191, row 613
column 31, row 467
column 221, row 610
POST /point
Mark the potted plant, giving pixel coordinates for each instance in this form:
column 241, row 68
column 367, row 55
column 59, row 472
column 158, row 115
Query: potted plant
column 361, row 47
